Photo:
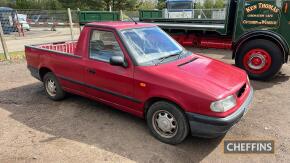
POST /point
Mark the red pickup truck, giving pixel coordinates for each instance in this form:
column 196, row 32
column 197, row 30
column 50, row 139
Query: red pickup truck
column 139, row 69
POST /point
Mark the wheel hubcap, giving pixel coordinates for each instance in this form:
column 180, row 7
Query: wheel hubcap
column 257, row 61
column 164, row 124
column 51, row 87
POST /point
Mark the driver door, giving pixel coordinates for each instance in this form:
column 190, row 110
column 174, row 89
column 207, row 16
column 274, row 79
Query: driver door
column 110, row 84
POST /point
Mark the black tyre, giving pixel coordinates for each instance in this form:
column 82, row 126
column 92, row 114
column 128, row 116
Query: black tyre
column 167, row 122
column 52, row 87
column 262, row 59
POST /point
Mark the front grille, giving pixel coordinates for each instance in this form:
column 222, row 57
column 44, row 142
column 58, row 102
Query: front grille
column 242, row 90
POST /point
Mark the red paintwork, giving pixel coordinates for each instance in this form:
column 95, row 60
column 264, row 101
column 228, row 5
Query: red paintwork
column 192, row 86
column 119, row 25
column 216, row 43
column 203, row 42
column 257, row 61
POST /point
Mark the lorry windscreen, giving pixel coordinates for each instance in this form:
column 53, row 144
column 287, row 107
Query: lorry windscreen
column 150, row 44
column 179, row 5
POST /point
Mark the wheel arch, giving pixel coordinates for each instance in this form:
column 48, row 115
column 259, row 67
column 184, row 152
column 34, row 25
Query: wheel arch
column 155, row 99
column 43, row 71
column 267, row 35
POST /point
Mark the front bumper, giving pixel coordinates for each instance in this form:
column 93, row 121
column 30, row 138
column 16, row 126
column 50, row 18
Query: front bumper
column 210, row 127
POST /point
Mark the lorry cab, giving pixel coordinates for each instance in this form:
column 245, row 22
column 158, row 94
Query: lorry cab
column 179, row 5
column 179, row 9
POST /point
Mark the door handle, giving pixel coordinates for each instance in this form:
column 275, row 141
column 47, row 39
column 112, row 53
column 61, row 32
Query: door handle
column 92, row 71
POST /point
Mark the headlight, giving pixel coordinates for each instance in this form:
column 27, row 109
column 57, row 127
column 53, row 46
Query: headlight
column 224, row 104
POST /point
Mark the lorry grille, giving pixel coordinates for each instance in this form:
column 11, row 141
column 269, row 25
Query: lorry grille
column 242, row 90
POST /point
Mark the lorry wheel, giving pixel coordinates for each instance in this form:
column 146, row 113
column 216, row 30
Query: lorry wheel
column 262, row 59
column 52, row 87
column 167, row 122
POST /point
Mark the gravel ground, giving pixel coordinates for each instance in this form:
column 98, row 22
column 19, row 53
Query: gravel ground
column 36, row 129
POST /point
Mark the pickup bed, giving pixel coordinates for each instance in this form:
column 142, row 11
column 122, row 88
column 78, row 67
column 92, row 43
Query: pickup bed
column 141, row 70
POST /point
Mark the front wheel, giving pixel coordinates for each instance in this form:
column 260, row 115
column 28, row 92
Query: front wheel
column 262, row 59
column 167, row 122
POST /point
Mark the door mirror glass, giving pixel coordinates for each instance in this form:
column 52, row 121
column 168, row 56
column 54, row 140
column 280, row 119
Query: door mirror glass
column 118, row 61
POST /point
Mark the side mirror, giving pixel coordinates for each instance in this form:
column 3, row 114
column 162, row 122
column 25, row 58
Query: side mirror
column 118, row 61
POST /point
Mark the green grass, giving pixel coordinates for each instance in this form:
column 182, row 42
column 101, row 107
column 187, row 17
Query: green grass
column 13, row 55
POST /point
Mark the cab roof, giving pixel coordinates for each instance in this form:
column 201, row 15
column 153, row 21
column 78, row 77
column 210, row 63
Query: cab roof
column 119, row 25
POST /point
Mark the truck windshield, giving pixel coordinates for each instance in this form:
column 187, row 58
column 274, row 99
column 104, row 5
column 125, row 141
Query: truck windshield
column 150, row 44
column 179, row 5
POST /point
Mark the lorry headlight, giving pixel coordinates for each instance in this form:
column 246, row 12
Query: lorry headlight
column 224, row 104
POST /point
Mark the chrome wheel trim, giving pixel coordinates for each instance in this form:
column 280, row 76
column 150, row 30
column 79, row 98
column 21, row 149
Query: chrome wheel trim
column 50, row 87
column 257, row 67
column 165, row 124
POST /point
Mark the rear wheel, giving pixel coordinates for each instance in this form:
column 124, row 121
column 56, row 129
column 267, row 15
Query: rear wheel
column 167, row 122
column 262, row 59
column 52, row 87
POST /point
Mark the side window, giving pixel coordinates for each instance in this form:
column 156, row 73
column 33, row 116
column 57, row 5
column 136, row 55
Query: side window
column 103, row 45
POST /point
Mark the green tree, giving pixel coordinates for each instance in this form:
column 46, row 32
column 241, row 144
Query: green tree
column 94, row 4
column 107, row 4
column 7, row 3
column 53, row 5
column 219, row 4
column 83, row 4
column 74, row 4
column 130, row 5
column 161, row 4
column 198, row 5
column 120, row 4
column 38, row 4
column 208, row 4
column 21, row 4
column 147, row 5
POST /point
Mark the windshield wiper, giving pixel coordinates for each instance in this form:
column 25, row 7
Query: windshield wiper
column 161, row 60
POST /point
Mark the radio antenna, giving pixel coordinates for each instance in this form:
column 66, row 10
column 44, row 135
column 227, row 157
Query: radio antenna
column 133, row 20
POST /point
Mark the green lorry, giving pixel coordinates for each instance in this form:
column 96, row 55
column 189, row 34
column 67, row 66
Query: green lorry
column 258, row 32
column 97, row 16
